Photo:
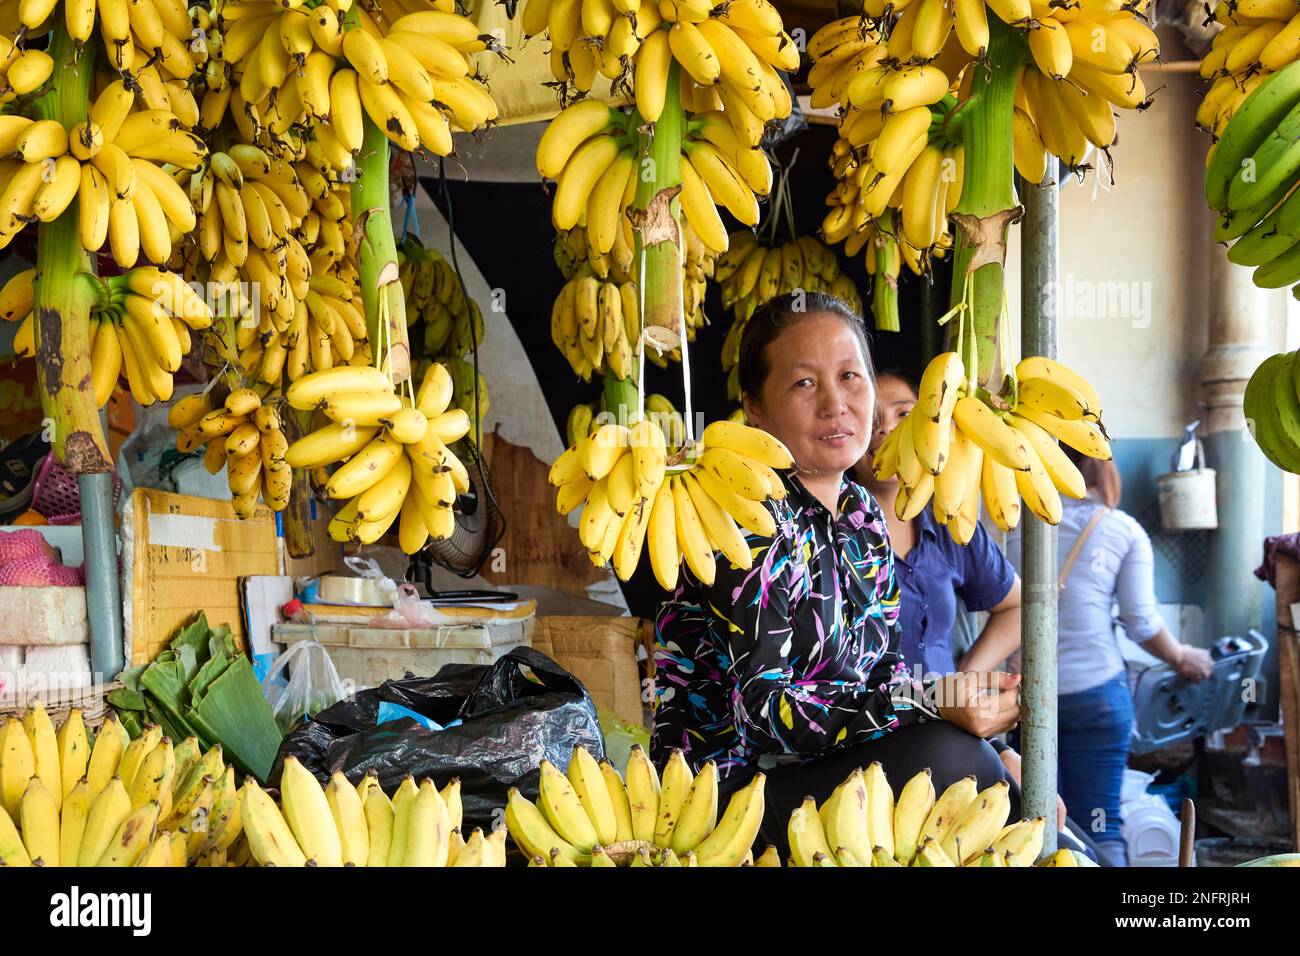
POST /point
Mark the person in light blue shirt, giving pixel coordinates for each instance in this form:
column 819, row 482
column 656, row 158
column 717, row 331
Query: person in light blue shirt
column 1112, row 568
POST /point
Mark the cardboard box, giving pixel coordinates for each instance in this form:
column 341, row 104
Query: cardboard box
column 602, row 653
column 182, row 555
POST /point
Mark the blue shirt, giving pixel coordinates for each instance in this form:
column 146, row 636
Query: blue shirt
column 934, row 574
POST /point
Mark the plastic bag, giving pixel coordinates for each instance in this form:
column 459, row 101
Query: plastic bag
column 313, row 684
column 509, row 722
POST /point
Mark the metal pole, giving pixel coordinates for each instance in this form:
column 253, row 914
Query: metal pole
column 1039, row 264
column 103, row 595
column 931, row 333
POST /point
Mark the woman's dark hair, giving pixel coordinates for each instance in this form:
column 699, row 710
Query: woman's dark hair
column 1101, row 477
column 777, row 314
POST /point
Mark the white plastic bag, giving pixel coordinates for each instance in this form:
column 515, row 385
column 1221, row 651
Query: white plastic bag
column 312, row 686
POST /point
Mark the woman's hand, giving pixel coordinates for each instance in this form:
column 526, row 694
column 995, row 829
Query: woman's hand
column 1195, row 664
column 984, row 703
column 1011, row 760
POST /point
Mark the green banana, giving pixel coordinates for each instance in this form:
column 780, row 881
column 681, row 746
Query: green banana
column 1261, row 415
column 1280, row 271
column 1273, row 164
column 1255, row 119
column 1278, row 231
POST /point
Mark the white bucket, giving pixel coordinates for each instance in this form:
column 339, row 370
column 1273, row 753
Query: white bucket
column 1187, row 498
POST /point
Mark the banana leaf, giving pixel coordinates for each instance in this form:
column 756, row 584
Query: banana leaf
column 202, row 685
column 234, row 710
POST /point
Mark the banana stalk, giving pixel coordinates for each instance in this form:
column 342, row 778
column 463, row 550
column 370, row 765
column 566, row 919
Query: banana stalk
column 298, row 539
column 65, row 291
column 988, row 203
column 377, row 254
column 661, row 271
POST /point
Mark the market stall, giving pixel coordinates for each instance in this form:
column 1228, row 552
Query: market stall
column 355, row 463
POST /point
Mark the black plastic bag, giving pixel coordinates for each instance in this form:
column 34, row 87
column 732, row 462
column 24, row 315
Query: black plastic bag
column 509, row 723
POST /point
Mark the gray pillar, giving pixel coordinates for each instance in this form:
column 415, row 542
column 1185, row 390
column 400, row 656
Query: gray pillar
column 1243, row 321
column 1039, row 265
column 103, row 594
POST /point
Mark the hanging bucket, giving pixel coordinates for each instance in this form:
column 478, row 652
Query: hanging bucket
column 1187, row 498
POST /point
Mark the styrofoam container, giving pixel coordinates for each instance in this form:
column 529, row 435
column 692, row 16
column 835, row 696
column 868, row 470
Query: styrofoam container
column 368, row 656
column 44, row 616
column 1152, row 832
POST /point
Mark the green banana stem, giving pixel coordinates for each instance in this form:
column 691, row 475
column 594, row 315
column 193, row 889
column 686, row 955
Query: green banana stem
column 988, row 202
column 66, row 291
column 657, row 220
column 381, row 290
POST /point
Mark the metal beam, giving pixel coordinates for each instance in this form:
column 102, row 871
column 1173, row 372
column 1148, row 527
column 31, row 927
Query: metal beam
column 1039, row 266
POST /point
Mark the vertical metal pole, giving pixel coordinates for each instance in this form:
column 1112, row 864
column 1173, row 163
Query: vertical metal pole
column 1039, row 266
column 103, row 594
column 931, row 332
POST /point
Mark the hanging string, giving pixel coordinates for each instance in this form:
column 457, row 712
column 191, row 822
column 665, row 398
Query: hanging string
column 455, row 264
column 640, row 339
column 686, row 352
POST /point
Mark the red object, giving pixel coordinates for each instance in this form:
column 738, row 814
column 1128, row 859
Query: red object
column 292, row 609
column 24, row 546
column 38, row 572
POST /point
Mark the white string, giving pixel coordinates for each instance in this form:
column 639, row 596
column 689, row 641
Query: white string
column 640, row 339
column 686, row 352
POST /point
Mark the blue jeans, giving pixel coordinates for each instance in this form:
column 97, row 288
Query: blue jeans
column 1096, row 726
column 1094, row 731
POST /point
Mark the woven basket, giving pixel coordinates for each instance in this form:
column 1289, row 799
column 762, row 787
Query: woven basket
column 91, row 701
column 57, row 495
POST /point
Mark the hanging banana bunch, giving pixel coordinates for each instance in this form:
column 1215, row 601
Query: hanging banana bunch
column 919, row 84
column 392, row 450
column 285, row 69
column 245, row 437
column 960, row 443
column 754, row 270
column 594, row 317
column 686, row 506
column 117, row 162
column 1258, row 38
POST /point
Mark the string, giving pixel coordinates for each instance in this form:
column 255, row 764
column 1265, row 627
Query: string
column 686, row 353
column 455, row 264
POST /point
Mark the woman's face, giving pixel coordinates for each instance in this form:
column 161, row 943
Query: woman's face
column 895, row 400
column 817, row 398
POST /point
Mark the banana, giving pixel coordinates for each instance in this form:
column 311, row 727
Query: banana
column 153, row 781
column 844, row 817
column 530, row 829
column 699, row 814
column 719, row 525
column 1081, row 435
column 107, row 812
column 979, row 824
column 132, row 837
column 674, row 791
column 564, row 809
column 915, row 802
column 428, row 829
column 589, row 784
column 619, row 802
column 930, row 853
column 947, row 810
column 732, row 839
column 307, row 812
column 998, row 440
column 807, row 836
column 643, row 791
column 269, row 837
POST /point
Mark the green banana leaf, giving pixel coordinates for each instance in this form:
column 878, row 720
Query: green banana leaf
column 202, row 685
column 235, row 712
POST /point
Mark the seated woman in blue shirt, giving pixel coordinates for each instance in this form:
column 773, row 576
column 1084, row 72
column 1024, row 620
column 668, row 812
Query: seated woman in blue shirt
column 792, row 667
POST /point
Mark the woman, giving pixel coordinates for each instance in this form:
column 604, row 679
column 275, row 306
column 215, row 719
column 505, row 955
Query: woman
column 792, row 667
column 1105, row 559
column 934, row 571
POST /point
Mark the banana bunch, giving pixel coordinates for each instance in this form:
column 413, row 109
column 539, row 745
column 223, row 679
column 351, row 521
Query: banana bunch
column 591, row 346
column 729, row 53
column 394, row 449
column 861, row 824
column 327, row 330
column 142, row 325
column 659, row 409
column 1273, row 411
column 117, row 163
column 720, row 168
column 469, row 390
column 135, row 32
column 290, row 68
column 750, row 273
column 590, row 816
column 1258, row 38
column 631, row 499
column 959, row 443
column 345, row 825
column 69, row 800
column 22, row 72
column 244, row 436
column 1251, row 181
column 453, row 322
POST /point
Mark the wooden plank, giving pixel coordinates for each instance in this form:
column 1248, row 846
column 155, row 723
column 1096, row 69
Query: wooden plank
column 539, row 547
column 1286, row 583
